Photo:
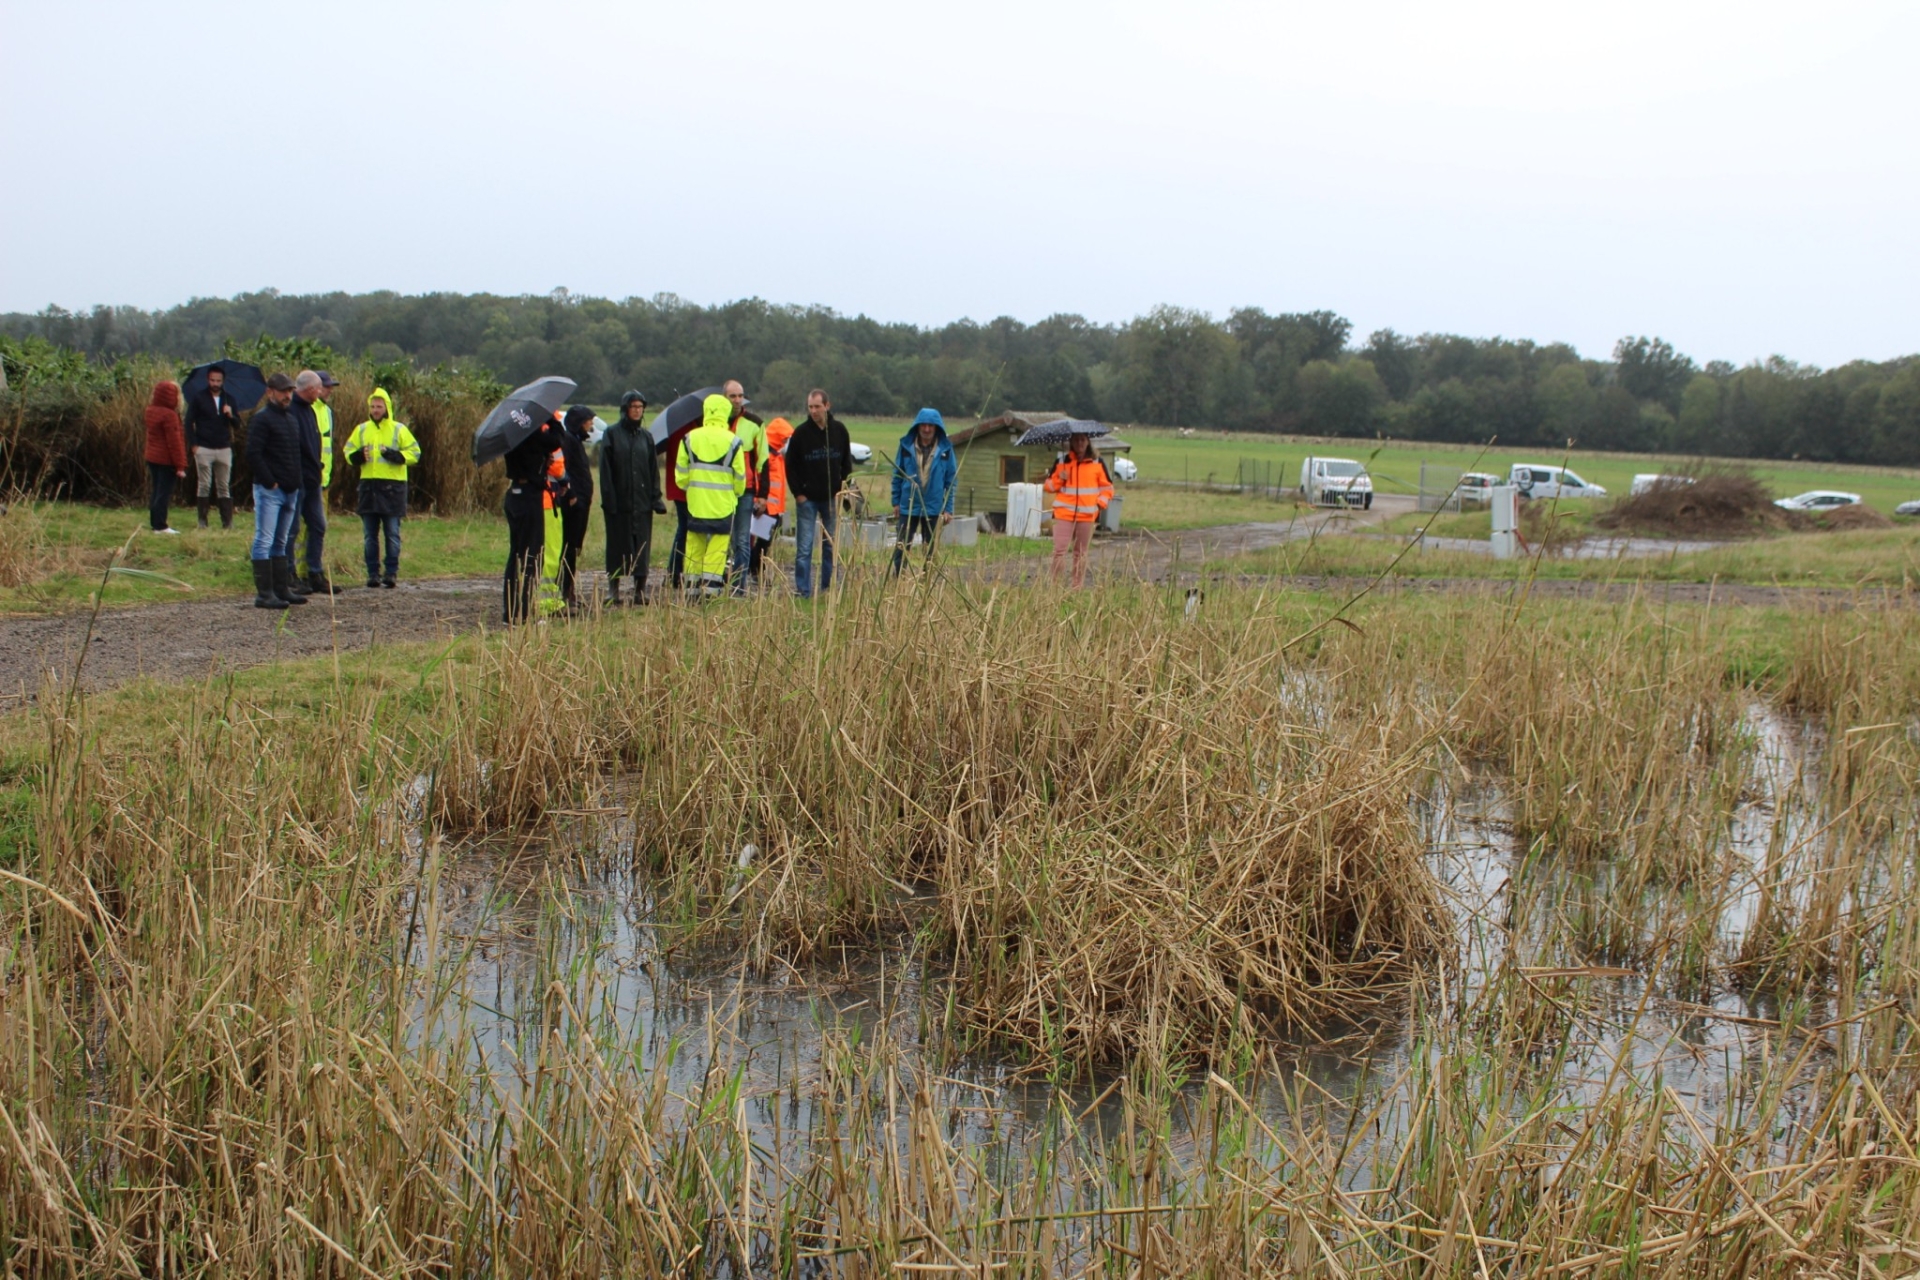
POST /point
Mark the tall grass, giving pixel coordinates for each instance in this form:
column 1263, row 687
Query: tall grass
column 236, row 1034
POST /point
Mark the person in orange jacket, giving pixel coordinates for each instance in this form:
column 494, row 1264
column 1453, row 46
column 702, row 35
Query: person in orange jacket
column 1082, row 489
column 774, row 502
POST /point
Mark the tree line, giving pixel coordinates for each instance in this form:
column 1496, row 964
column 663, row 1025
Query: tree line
column 1304, row 372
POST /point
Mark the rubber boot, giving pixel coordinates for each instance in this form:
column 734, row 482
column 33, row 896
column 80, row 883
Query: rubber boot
column 263, row 587
column 226, row 513
column 296, row 585
column 283, row 581
column 318, row 583
column 205, row 503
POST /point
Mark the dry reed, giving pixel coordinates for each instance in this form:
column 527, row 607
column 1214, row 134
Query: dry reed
column 235, row 1035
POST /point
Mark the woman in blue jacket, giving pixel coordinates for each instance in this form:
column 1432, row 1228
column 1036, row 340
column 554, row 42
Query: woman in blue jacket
column 924, row 471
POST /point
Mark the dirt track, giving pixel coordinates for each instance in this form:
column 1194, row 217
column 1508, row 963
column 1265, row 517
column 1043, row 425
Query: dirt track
column 195, row 638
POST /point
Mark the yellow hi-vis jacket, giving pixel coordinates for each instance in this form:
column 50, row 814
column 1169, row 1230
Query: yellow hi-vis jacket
column 388, row 433
column 711, row 466
column 323, row 418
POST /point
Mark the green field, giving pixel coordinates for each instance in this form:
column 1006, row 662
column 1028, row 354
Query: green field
column 53, row 555
column 1214, row 457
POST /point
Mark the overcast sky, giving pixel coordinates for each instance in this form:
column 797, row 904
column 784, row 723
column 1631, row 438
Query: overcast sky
column 1742, row 177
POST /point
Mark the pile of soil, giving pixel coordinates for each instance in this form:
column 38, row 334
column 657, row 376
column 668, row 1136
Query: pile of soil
column 1710, row 503
column 1857, row 516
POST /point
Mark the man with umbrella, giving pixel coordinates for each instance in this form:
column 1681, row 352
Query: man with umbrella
column 216, row 394
column 210, row 419
column 522, row 430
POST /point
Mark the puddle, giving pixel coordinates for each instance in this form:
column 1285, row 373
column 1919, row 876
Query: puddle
column 508, row 947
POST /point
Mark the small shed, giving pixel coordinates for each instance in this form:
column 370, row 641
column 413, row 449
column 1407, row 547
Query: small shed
column 990, row 461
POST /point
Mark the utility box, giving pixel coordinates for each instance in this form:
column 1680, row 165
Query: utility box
column 1505, row 504
column 1023, row 510
column 1110, row 518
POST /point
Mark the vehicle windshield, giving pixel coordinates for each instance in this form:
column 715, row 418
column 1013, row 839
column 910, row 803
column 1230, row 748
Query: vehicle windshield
column 1567, row 477
column 1342, row 469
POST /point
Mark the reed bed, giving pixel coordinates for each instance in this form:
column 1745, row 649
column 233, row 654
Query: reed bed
column 239, row 1031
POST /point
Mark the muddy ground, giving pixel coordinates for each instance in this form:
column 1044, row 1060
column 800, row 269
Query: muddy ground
column 195, row 638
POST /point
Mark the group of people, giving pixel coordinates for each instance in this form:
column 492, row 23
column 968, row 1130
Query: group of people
column 290, row 455
column 728, row 477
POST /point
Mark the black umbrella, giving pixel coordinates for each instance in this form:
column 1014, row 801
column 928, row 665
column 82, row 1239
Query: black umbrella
column 1057, row 431
column 682, row 412
column 245, row 383
column 519, row 416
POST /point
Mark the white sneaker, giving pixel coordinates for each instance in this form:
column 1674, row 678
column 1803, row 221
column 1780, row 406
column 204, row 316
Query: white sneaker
column 174, row 532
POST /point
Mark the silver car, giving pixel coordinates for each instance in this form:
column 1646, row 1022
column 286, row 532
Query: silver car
column 1818, row 500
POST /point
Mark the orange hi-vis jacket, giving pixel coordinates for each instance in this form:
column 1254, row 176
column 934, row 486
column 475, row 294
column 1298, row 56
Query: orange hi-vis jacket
column 779, row 431
column 1082, row 489
column 556, row 470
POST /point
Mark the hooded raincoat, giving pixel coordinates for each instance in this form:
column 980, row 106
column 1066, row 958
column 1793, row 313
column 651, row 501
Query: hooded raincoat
column 374, row 447
column 166, row 439
column 923, row 479
column 629, row 492
column 711, row 466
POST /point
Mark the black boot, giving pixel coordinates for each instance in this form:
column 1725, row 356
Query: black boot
column 204, row 504
column 283, row 581
column 319, row 584
column 263, row 586
column 226, row 513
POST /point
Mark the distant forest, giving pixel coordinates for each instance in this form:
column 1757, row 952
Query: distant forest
column 1300, row 372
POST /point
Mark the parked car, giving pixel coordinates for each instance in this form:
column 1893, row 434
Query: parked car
column 862, row 454
column 1125, row 469
column 1908, row 508
column 1538, row 480
column 1818, row 500
column 1646, row 480
column 1476, row 488
column 1335, row 482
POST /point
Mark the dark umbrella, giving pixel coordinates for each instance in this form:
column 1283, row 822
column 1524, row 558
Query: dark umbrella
column 1057, row 431
column 519, row 416
column 682, row 412
column 245, row 383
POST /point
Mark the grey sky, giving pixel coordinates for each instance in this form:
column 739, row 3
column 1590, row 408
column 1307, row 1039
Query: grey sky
column 1739, row 177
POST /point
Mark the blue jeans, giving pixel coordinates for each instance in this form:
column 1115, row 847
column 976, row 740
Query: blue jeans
column 373, row 526
column 811, row 516
column 740, row 546
column 273, row 512
column 311, row 511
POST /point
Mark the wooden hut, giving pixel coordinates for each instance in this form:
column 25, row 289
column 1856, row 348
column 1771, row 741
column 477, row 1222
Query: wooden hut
column 990, row 461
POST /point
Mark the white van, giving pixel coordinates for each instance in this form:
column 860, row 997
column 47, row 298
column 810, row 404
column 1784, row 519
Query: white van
column 1537, row 480
column 1335, row 482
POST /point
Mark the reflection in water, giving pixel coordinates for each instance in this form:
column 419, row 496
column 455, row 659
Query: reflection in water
column 512, row 942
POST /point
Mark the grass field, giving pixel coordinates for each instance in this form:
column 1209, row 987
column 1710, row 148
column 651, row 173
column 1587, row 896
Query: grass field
column 1003, row 934
column 1165, row 456
column 52, row 555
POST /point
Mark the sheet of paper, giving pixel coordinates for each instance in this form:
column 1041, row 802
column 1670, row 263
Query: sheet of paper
column 762, row 526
